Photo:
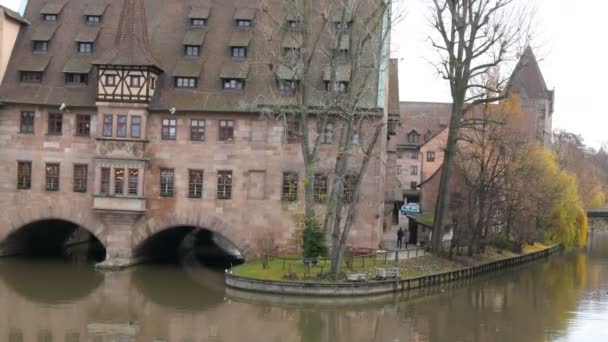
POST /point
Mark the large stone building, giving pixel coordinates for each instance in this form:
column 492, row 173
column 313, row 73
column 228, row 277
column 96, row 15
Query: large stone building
column 130, row 117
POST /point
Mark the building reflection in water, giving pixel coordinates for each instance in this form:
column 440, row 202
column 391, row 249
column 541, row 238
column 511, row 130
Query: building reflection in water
column 58, row 302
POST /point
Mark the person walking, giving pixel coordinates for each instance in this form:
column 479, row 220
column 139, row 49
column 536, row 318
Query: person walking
column 399, row 238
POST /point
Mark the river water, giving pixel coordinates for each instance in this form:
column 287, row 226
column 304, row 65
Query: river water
column 562, row 299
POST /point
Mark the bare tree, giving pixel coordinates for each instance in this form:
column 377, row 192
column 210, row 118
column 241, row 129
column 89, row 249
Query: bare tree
column 345, row 44
column 474, row 38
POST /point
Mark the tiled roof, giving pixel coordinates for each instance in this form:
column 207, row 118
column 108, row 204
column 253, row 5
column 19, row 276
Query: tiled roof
column 199, row 12
column 35, row 63
column 422, row 117
column 528, row 78
column 44, row 32
column 78, row 65
column 53, row 7
column 153, row 33
column 194, row 37
column 96, row 7
column 88, row 34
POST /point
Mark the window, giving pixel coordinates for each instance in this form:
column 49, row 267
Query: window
column 135, row 126
column 31, row 76
column 430, row 156
column 356, row 138
column 224, row 185
column 119, row 181
column 83, row 125
column 293, row 131
column 197, row 130
column 40, row 46
column 104, row 189
column 342, row 55
column 185, row 82
column 398, row 169
column 93, row 19
column 288, row 87
column 80, row 178
column 226, row 130
column 49, row 17
column 233, row 83
column 76, row 79
column 135, row 81
column 55, row 123
column 320, row 188
column 195, row 184
column 238, row 52
column 413, row 185
column 414, row 170
column 24, row 175
column 133, row 182
column 399, row 154
column 110, row 80
column 85, row 47
column 294, row 24
column 342, row 26
column 243, row 23
column 338, row 87
column 121, row 129
column 290, row 186
column 27, row 122
column 414, row 155
column 166, row 182
column 192, row 50
column 328, row 136
column 348, row 188
column 413, row 138
column 427, row 136
column 108, row 125
column 198, row 22
column 52, row 177
column 169, row 128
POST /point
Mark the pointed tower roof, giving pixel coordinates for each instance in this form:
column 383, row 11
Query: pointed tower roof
column 132, row 47
column 528, row 78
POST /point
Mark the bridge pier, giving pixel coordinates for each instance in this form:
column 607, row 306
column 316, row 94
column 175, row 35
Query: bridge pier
column 119, row 233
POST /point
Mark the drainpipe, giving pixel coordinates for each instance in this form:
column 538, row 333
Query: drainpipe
column 22, row 7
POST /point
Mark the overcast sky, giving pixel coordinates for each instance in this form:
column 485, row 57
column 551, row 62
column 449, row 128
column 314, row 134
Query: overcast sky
column 568, row 39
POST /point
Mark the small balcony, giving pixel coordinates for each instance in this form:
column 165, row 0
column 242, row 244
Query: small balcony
column 116, row 204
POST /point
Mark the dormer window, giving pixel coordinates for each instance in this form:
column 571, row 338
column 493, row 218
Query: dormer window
column 413, row 137
column 244, row 23
column 76, row 79
column 93, row 19
column 342, row 26
column 233, row 84
column 31, row 69
column 185, row 82
column 198, row 22
column 30, row 76
column 40, row 46
column 238, row 52
column 294, row 25
column 288, row 87
column 338, row 87
column 342, row 55
column 85, row 47
column 243, row 18
column 49, row 18
column 192, row 50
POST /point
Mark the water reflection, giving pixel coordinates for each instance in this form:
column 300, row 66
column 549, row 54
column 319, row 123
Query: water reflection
column 564, row 299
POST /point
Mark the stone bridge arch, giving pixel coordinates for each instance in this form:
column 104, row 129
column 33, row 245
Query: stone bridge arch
column 240, row 238
column 16, row 218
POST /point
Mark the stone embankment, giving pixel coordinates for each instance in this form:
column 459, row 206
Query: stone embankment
column 381, row 287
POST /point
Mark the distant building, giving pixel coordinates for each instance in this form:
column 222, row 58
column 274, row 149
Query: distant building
column 10, row 23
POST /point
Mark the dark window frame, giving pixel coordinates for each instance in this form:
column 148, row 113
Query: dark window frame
column 198, row 22
column 76, row 79
column 133, row 83
column 195, row 183
column 320, row 186
column 165, row 132
column 233, row 84
column 40, row 46
column 27, row 121
column 83, row 125
column 226, row 131
column 289, row 186
column 105, row 174
column 197, row 131
column 192, row 50
column 348, row 188
column 292, row 131
column 243, row 23
column 24, row 175
column 52, row 177
column 167, row 182
column 413, row 170
column 430, row 156
column 186, row 82
column 80, row 178
column 109, row 80
column 413, row 185
column 30, row 76
column 133, row 182
column 122, row 125
column 55, row 124
column 135, row 124
column 119, row 181
column 50, row 18
column 328, row 134
column 339, row 87
column 238, row 52
column 413, row 138
column 85, row 48
column 108, row 125
column 224, row 184
column 93, row 19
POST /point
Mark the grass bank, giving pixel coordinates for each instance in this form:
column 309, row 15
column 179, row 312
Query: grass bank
column 289, row 267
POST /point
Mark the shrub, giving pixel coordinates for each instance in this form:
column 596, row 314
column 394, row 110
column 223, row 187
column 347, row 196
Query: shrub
column 313, row 241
